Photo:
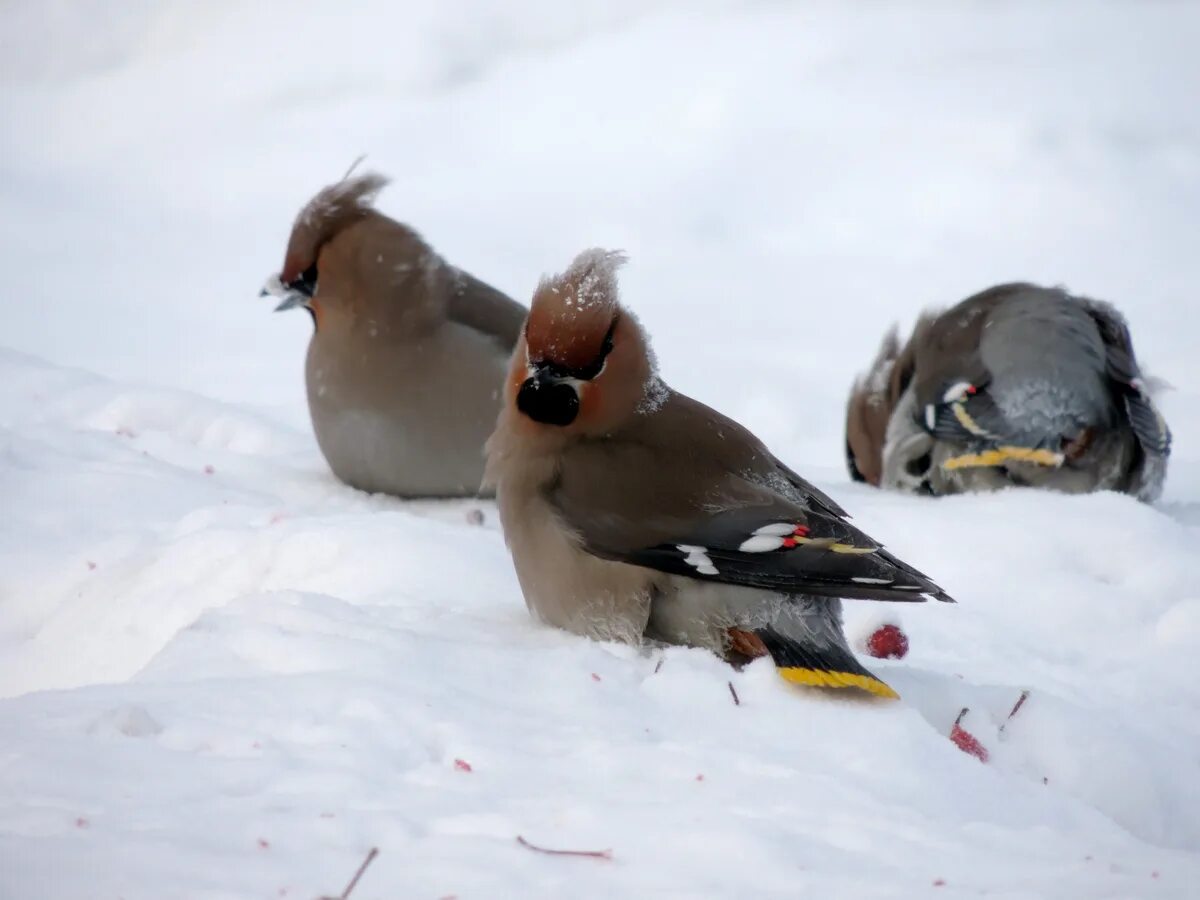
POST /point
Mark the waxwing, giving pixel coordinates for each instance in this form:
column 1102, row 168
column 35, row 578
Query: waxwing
column 1017, row 385
column 407, row 352
column 634, row 512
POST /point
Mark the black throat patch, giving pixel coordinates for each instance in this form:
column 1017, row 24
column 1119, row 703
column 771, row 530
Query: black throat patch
column 549, row 402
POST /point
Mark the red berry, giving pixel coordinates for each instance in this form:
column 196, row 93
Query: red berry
column 888, row 642
column 968, row 743
column 462, row 765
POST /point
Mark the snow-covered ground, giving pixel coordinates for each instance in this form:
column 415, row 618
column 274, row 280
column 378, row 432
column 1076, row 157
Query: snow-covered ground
column 226, row 675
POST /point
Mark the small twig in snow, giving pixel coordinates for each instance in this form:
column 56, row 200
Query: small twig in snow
column 733, row 692
column 345, row 895
column 1020, row 702
column 591, row 854
column 657, row 665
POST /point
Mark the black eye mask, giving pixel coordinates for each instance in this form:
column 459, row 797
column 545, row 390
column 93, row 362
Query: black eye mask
column 586, row 373
column 306, row 284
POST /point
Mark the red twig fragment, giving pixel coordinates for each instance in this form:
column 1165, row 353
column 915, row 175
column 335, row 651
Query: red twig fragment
column 591, row 854
column 967, row 742
column 344, row 895
column 1020, row 702
column 733, row 691
column 462, row 765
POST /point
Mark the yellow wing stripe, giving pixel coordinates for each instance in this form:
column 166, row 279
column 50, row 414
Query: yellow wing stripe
column 1001, row 455
column 835, row 546
column 816, row 678
column 850, row 548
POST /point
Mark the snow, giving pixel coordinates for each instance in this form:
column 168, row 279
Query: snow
column 225, row 675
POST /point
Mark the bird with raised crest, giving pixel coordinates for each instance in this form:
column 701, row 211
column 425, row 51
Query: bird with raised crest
column 633, row 512
column 407, row 351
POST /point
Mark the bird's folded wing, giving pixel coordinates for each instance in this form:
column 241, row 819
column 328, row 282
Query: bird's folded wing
column 965, row 414
column 483, row 308
column 627, row 504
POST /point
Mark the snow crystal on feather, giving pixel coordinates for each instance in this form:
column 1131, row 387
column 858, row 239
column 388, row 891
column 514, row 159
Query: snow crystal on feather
column 594, row 275
column 656, row 393
column 779, row 483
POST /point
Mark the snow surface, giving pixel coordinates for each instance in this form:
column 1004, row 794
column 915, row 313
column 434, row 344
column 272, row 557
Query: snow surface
column 226, row 675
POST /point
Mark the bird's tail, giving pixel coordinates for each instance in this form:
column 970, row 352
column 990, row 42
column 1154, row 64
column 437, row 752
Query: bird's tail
column 826, row 665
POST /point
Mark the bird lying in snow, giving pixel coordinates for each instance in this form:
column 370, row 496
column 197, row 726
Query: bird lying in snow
column 1017, row 385
column 407, row 352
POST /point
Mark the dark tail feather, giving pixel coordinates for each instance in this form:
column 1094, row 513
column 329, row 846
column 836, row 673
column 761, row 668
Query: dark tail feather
column 828, row 666
column 1148, row 424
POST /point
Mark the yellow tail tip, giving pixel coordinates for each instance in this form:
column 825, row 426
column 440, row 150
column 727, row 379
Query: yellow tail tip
column 818, row 678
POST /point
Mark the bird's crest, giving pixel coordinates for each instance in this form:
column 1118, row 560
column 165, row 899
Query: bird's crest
column 868, row 411
column 573, row 312
column 330, row 211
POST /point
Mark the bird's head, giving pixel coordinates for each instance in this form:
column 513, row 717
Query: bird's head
column 583, row 364
column 330, row 212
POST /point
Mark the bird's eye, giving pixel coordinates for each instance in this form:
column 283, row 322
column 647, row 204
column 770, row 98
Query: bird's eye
column 306, row 284
column 584, row 373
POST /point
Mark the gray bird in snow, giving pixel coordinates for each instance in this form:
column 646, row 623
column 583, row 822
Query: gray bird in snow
column 407, row 352
column 633, row 512
column 1017, row 385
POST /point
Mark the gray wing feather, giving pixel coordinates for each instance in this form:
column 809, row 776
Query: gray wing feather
column 480, row 306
